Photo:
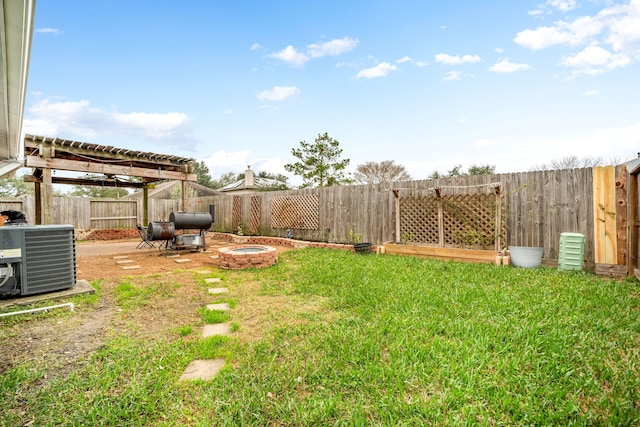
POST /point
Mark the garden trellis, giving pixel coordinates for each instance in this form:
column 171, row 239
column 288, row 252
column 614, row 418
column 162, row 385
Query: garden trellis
column 452, row 216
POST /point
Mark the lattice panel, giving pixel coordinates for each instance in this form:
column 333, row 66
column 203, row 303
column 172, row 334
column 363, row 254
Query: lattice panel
column 419, row 219
column 236, row 213
column 296, row 212
column 254, row 219
column 468, row 221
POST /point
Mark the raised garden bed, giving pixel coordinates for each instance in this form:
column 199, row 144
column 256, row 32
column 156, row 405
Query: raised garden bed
column 452, row 254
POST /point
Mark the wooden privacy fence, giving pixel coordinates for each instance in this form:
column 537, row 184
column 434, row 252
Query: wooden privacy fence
column 83, row 213
column 533, row 209
column 530, row 209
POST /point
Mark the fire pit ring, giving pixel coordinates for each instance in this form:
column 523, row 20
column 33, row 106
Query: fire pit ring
column 247, row 256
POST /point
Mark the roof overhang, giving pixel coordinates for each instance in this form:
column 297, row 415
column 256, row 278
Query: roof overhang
column 16, row 17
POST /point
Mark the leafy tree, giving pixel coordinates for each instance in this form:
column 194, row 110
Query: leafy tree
column 269, row 175
column 225, row 179
column 319, row 163
column 435, row 175
column 380, row 172
column 98, row 191
column 282, row 181
column 482, row 170
column 202, row 171
column 15, row 187
column 457, row 171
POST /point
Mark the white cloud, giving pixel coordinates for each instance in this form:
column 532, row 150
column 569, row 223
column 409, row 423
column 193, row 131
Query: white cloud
column 591, row 93
column 408, row 59
column 624, row 25
column 333, row 47
column 278, row 93
column 595, row 60
column 562, row 5
column 575, row 33
column 505, row 66
column 452, row 75
column 462, row 120
column 154, row 125
column 380, row 70
column 498, row 50
column 615, row 28
column 273, row 165
column 290, row 56
column 46, row 30
column 536, row 12
column 457, row 59
column 256, row 46
column 79, row 120
column 223, row 161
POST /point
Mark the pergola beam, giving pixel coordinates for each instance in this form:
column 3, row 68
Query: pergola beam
column 107, row 182
column 106, row 168
column 108, row 153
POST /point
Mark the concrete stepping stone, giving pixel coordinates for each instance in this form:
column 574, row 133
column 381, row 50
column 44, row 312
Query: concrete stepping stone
column 214, row 257
column 213, row 280
column 220, row 307
column 173, row 256
column 202, row 369
column 218, row 290
column 216, row 329
column 131, row 267
column 125, row 261
column 120, row 256
column 183, row 260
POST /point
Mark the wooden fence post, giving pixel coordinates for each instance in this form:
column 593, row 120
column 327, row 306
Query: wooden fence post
column 604, row 213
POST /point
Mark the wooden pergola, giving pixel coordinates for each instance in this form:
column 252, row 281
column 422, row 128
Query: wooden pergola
column 107, row 163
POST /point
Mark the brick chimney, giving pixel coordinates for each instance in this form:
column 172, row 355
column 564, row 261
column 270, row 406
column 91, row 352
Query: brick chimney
column 249, row 178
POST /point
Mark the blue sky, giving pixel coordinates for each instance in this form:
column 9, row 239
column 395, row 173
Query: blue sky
column 428, row 84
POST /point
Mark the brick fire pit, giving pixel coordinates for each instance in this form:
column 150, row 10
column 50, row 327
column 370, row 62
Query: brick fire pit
column 247, row 256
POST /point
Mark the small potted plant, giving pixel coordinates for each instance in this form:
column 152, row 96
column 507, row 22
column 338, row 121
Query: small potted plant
column 358, row 247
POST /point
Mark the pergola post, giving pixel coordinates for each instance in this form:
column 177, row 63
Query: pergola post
column 397, row 203
column 47, row 198
column 145, row 205
column 185, row 188
column 38, row 200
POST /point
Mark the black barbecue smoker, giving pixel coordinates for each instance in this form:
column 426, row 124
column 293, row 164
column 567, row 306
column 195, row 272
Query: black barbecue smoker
column 173, row 242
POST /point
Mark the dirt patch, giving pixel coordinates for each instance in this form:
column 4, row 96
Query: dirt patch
column 176, row 292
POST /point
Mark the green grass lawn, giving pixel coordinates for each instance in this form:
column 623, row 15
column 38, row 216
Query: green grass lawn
column 396, row 341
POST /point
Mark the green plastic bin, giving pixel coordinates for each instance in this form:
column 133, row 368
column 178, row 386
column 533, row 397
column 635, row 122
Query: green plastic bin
column 571, row 255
